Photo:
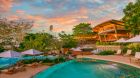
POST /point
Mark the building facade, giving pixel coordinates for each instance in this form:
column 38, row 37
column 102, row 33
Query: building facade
column 111, row 30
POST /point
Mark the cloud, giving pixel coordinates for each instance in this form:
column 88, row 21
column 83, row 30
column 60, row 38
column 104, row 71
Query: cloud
column 5, row 5
column 63, row 14
column 13, row 17
column 93, row 1
column 20, row 12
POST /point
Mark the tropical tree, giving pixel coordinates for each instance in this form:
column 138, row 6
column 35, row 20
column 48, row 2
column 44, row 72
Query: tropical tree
column 67, row 40
column 132, row 17
column 82, row 29
column 13, row 32
column 83, row 33
column 56, row 44
column 39, row 41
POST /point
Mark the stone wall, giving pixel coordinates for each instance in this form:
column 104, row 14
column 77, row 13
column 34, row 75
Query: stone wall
column 108, row 47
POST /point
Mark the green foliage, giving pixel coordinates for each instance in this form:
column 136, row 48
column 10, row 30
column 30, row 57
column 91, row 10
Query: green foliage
column 67, row 40
column 55, row 61
column 59, row 60
column 1, row 49
column 124, row 49
column 87, row 49
column 47, row 61
column 69, row 52
column 30, row 61
column 107, row 52
column 110, row 43
column 82, row 29
column 39, row 41
column 135, row 47
column 132, row 17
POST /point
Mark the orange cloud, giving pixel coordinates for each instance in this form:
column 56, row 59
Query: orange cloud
column 20, row 12
column 71, row 18
column 5, row 5
column 35, row 18
column 61, row 23
column 13, row 17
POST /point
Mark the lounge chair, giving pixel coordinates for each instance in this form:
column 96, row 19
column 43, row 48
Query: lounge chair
column 40, row 63
column 119, row 52
column 33, row 65
column 9, row 71
column 20, row 68
column 136, row 59
column 128, row 53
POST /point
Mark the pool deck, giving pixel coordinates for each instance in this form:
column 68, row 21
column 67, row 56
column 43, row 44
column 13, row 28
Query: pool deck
column 27, row 74
column 115, row 58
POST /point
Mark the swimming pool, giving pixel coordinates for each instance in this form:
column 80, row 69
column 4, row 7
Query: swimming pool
column 97, row 69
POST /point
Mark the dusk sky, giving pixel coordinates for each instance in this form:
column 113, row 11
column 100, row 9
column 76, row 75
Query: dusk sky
column 62, row 14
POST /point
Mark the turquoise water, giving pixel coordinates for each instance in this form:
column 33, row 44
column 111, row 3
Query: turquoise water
column 98, row 69
column 7, row 62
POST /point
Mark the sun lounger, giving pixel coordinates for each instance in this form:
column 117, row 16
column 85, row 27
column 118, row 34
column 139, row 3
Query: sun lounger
column 118, row 52
column 40, row 63
column 136, row 58
column 20, row 68
column 34, row 65
column 128, row 53
column 9, row 71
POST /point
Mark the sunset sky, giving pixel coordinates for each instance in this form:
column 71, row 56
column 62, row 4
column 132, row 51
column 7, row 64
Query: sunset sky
column 62, row 14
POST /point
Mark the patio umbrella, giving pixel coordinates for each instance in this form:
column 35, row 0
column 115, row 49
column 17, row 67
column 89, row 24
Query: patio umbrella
column 134, row 39
column 10, row 54
column 31, row 52
column 121, row 40
column 9, row 58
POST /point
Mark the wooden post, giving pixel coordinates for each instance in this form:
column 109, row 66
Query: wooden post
column 100, row 38
column 105, row 38
column 115, row 28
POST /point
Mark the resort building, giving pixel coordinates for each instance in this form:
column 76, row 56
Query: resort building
column 111, row 30
column 86, row 39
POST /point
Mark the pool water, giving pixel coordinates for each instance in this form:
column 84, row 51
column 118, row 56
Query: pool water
column 98, row 69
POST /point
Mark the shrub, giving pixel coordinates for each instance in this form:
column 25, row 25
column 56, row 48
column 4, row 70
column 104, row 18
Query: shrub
column 30, row 61
column 47, row 61
column 60, row 59
column 107, row 52
column 69, row 52
column 124, row 49
column 135, row 47
column 55, row 61
column 1, row 49
column 87, row 49
column 110, row 43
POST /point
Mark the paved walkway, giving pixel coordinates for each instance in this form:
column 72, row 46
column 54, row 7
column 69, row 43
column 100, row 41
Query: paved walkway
column 27, row 74
column 115, row 58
